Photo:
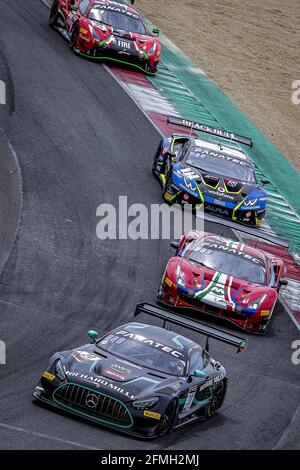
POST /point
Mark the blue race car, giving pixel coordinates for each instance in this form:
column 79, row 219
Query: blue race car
column 212, row 174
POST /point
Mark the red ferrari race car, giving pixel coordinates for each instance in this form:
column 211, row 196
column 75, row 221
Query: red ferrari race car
column 107, row 30
column 218, row 276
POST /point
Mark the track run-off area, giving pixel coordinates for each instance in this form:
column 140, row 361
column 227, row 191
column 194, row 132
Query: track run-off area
column 82, row 141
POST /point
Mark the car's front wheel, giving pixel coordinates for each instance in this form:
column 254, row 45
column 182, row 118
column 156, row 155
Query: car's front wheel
column 168, row 418
column 53, row 17
column 74, row 38
column 217, row 399
column 150, row 70
column 167, row 192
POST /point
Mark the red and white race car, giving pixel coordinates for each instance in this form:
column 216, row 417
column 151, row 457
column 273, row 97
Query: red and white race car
column 215, row 275
column 107, row 30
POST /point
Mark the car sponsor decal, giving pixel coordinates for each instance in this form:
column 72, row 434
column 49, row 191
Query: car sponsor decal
column 100, row 381
column 123, row 44
column 217, row 210
column 250, row 202
column 234, row 248
column 218, row 202
column 118, row 8
column 189, row 185
column 150, row 342
column 212, row 382
column 219, row 192
column 82, row 356
column 217, row 292
column 151, row 414
column 114, row 374
column 117, row 371
column 122, row 369
column 231, row 184
column 168, row 281
column 202, row 153
column 48, row 376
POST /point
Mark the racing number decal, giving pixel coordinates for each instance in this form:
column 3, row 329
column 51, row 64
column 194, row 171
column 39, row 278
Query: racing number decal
column 188, row 173
column 124, row 44
column 190, row 398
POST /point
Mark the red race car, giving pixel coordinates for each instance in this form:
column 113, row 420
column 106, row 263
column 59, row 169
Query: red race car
column 103, row 29
column 215, row 275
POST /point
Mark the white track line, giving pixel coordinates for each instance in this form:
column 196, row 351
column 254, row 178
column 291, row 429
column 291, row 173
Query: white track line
column 51, row 438
column 293, row 424
column 132, row 97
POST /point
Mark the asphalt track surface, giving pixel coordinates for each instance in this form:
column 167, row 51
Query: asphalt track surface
column 81, row 141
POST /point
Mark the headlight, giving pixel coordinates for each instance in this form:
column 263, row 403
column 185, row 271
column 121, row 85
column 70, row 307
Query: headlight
column 180, row 277
column 146, row 403
column 255, row 304
column 94, row 34
column 152, row 50
column 59, row 370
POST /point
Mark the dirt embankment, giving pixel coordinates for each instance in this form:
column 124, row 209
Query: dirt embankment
column 250, row 49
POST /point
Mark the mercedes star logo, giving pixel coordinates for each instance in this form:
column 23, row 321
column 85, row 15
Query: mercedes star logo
column 91, row 400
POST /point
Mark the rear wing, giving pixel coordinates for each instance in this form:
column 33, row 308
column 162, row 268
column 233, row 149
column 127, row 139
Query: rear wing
column 208, row 331
column 252, row 231
column 197, row 126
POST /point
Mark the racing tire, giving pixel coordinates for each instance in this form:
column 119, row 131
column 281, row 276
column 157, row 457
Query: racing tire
column 168, row 418
column 53, row 17
column 149, row 70
column 161, row 291
column 154, row 170
column 217, row 400
column 154, row 166
column 74, row 38
column 165, row 187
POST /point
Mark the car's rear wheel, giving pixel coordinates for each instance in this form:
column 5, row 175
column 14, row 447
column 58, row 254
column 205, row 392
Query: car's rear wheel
column 53, row 16
column 167, row 188
column 217, row 399
column 74, row 38
column 167, row 420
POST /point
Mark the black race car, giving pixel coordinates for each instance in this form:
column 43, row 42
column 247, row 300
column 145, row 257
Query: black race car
column 141, row 379
column 210, row 174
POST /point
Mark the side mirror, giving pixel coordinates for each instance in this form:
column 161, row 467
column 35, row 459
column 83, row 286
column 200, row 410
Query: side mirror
column 74, row 7
column 93, row 335
column 155, row 32
column 265, row 181
column 174, row 247
column 199, row 374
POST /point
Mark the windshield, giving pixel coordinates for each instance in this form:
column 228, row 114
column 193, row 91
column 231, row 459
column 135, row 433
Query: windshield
column 139, row 353
column 229, row 261
column 221, row 164
column 117, row 20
